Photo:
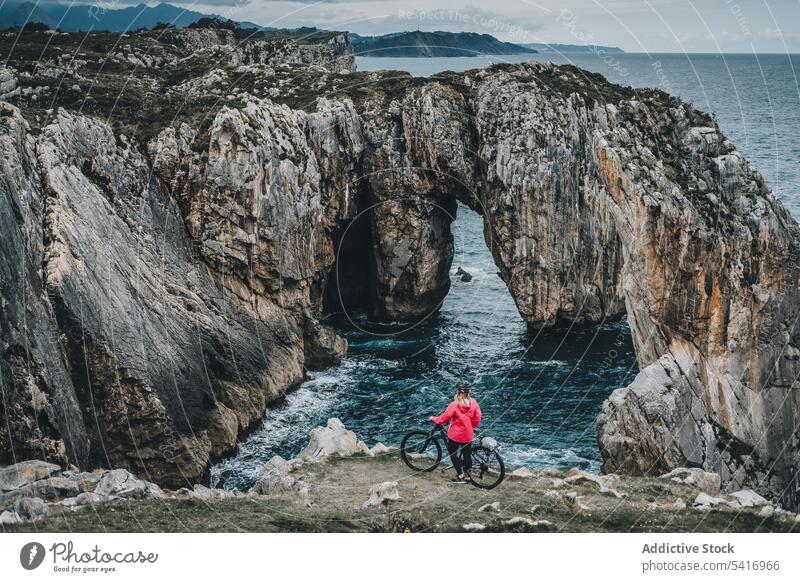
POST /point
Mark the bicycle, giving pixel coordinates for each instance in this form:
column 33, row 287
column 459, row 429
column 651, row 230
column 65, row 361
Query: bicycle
column 421, row 450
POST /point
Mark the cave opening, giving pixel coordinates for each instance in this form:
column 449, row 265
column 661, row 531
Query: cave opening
column 348, row 289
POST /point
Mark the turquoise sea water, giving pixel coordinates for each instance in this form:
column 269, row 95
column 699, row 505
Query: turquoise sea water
column 540, row 392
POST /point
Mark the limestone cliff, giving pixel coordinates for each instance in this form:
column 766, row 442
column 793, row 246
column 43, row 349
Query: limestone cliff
column 190, row 240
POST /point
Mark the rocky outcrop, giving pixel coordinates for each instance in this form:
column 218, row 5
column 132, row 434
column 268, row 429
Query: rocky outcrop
column 184, row 266
column 34, row 490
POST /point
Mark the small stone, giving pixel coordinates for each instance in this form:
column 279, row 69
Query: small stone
column 767, row 511
column 474, row 526
column 704, row 500
column 303, row 494
column 679, row 504
column 382, row 494
column 607, row 484
column 493, row 507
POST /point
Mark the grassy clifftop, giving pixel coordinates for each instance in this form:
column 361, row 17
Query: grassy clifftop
column 542, row 501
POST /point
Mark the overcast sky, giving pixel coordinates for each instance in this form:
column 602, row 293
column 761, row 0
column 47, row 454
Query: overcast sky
column 634, row 25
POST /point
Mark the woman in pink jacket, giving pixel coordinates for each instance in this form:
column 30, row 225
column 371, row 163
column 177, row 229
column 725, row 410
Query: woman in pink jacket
column 464, row 416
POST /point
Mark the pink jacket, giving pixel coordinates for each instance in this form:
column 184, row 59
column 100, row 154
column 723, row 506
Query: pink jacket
column 463, row 420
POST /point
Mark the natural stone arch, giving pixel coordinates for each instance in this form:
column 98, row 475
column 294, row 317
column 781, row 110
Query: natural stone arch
column 599, row 197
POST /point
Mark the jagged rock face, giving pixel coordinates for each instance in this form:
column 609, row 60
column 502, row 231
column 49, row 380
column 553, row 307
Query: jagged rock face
column 40, row 408
column 164, row 368
column 710, row 276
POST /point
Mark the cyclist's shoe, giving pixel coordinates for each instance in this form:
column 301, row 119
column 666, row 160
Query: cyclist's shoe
column 458, row 480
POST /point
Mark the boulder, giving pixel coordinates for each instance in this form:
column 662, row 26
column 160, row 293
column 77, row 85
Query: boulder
column 679, row 504
column 25, row 473
column 474, row 526
column 747, row 498
column 695, row 477
column 333, row 439
column 274, row 477
column 120, row 483
column 31, row 509
column 9, row 518
column 493, row 507
column 382, row 494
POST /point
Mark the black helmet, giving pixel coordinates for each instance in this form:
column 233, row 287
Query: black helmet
column 462, row 388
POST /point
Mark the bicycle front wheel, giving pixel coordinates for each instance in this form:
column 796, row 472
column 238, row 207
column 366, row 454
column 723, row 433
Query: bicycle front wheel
column 488, row 470
column 421, row 451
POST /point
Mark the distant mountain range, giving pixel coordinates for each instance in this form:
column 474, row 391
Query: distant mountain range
column 572, row 48
column 84, row 17
column 434, row 44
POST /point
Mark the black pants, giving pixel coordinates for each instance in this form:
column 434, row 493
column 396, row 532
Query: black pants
column 460, row 456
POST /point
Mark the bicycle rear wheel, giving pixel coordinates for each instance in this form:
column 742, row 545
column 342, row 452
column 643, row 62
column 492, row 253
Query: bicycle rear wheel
column 488, row 470
column 421, row 451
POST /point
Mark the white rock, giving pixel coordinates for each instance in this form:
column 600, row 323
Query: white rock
column 474, row 526
column 379, row 449
column 333, row 439
column 520, row 521
column 679, row 504
column 522, row 473
column 120, row 483
column 206, row 493
column 303, row 494
column 382, row 494
column 607, row 484
column 274, row 477
column 9, row 518
column 704, row 500
column 494, row 507
column 747, row 498
column 696, row 477
column 766, row 511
